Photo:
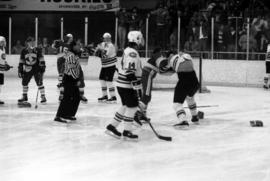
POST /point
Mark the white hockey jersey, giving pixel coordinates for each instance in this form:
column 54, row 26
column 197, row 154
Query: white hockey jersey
column 108, row 58
column 181, row 63
column 2, row 59
column 268, row 53
column 130, row 69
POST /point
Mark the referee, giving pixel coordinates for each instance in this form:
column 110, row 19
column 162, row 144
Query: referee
column 69, row 105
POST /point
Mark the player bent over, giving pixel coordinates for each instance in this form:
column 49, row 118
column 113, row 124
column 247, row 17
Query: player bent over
column 267, row 65
column 3, row 63
column 185, row 89
column 156, row 64
column 31, row 64
column 71, row 82
column 128, row 85
column 107, row 52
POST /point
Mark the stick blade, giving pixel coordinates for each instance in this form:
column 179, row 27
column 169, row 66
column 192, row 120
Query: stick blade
column 165, row 138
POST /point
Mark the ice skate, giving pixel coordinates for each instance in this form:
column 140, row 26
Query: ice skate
column 61, row 120
column 112, row 100
column 43, row 100
column 129, row 136
column 23, row 99
column 2, row 102
column 71, row 118
column 103, row 99
column 84, row 100
column 195, row 119
column 181, row 125
column 112, row 131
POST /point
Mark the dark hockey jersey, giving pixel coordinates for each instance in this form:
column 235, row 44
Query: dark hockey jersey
column 31, row 58
column 157, row 65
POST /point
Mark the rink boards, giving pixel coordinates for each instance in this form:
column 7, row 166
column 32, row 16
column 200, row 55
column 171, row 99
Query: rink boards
column 215, row 72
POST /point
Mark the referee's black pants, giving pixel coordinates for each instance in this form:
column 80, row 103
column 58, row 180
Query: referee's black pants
column 71, row 99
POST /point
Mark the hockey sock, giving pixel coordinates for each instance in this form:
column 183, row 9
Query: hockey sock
column 103, row 87
column 111, row 89
column 25, row 90
column 41, row 90
column 180, row 112
column 129, row 118
column 60, row 78
column 119, row 116
column 192, row 105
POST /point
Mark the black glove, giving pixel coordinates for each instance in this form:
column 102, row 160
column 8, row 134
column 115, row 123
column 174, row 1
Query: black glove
column 7, row 67
column 42, row 68
column 20, row 71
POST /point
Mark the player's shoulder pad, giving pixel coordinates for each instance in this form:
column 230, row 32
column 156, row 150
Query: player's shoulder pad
column 131, row 52
column 187, row 56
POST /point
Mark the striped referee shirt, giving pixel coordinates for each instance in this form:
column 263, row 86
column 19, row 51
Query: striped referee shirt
column 72, row 65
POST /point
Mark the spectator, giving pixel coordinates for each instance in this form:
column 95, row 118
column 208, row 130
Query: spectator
column 203, row 35
column 45, row 45
column 134, row 20
column 191, row 45
column 243, row 43
column 193, row 30
column 220, row 40
column 17, row 49
column 263, row 46
column 122, row 27
column 231, row 36
column 162, row 21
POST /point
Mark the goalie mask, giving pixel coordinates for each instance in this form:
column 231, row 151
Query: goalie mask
column 136, row 37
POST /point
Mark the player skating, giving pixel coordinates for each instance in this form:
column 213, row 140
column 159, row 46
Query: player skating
column 3, row 63
column 107, row 52
column 71, row 82
column 186, row 87
column 128, row 85
column 31, row 64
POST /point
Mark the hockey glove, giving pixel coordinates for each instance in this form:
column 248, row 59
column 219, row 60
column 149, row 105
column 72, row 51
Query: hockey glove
column 7, row 67
column 20, row 71
column 42, row 68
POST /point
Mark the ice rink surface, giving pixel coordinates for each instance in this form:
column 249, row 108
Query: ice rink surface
column 222, row 148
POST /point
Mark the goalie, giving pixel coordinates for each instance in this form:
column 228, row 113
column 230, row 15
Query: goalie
column 31, row 64
column 3, row 63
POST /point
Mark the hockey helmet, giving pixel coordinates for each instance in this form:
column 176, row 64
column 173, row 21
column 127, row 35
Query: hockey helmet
column 136, row 37
column 107, row 35
column 2, row 41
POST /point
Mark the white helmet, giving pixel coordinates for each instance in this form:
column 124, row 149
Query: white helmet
column 2, row 41
column 107, row 35
column 136, row 37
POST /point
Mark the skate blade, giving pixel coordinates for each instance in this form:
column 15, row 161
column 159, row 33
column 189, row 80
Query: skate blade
column 131, row 139
column 112, row 135
column 181, row 127
column 43, row 103
column 111, row 102
column 84, row 102
column 102, row 101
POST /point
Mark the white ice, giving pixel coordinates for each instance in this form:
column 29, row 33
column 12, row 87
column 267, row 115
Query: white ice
column 222, row 148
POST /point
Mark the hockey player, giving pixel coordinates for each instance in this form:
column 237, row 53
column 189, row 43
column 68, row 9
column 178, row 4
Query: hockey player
column 107, row 52
column 71, row 82
column 3, row 63
column 128, row 86
column 156, row 64
column 186, row 87
column 267, row 66
column 31, row 64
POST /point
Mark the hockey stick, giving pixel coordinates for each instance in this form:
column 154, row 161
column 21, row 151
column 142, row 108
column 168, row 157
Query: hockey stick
column 166, row 138
column 36, row 105
column 205, row 106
